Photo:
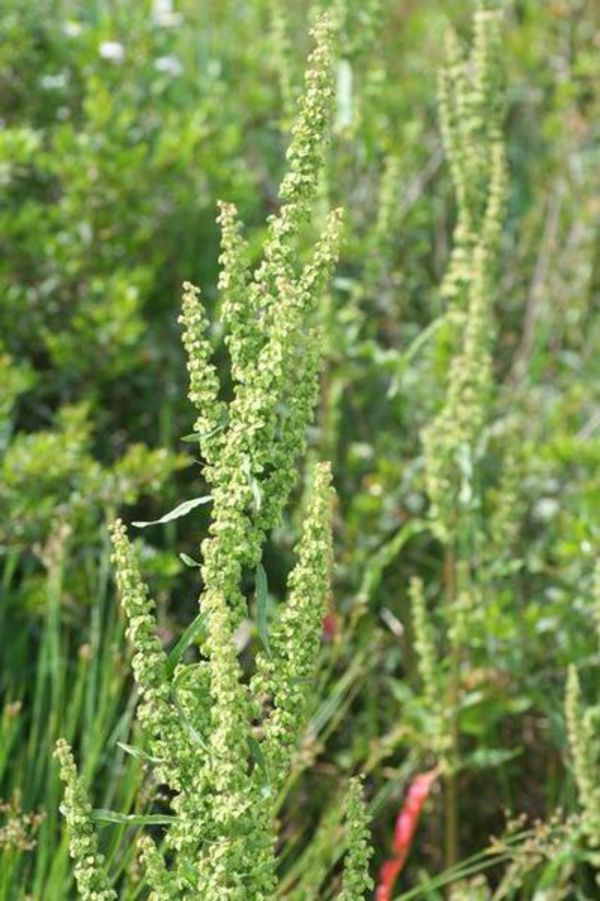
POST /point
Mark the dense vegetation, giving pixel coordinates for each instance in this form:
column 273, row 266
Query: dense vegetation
column 360, row 656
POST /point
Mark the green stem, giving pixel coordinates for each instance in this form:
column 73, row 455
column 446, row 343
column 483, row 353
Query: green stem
column 450, row 788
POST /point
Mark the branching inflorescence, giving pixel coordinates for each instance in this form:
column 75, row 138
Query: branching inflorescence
column 221, row 744
column 471, row 106
column 471, row 100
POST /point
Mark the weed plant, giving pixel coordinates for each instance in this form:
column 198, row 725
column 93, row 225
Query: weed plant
column 448, row 350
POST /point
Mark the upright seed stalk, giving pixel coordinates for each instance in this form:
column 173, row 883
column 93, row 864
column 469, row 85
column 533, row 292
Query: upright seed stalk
column 222, row 745
column 471, row 108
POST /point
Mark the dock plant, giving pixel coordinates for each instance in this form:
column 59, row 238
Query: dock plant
column 221, row 741
column 471, row 108
column 223, row 682
column 471, row 105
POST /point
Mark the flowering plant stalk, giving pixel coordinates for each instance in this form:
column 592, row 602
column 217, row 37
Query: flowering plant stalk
column 223, row 745
column 471, row 102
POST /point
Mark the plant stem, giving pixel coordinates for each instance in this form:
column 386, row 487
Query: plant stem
column 450, row 792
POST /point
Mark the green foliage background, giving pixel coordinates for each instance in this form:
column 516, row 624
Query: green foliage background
column 122, row 125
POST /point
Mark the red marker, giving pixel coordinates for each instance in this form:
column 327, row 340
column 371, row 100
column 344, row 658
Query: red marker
column 404, row 832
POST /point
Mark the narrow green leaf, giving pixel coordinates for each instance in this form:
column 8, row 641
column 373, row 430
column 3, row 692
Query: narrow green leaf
column 132, row 819
column 189, row 561
column 189, row 726
column 489, row 758
column 262, row 590
column 257, row 755
column 406, row 358
column 196, row 437
column 254, row 486
column 181, row 510
column 137, row 753
column 386, row 555
column 193, row 631
column 256, row 494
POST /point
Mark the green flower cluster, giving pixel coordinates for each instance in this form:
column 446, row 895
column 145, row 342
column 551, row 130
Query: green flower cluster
column 150, row 666
column 282, row 55
column 222, row 745
column 582, row 729
column 251, row 447
column 424, row 644
column 283, row 676
column 471, row 106
column 83, row 845
column 356, row 879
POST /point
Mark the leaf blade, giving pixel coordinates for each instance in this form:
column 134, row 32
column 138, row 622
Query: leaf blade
column 262, row 592
column 100, row 815
column 181, row 510
column 194, row 629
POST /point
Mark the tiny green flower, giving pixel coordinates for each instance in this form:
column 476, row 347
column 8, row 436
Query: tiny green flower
column 88, row 863
column 356, row 880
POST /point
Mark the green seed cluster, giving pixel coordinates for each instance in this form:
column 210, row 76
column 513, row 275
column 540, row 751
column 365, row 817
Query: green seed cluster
column 92, row 883
column 434, row 682
column 471, row 107
column 582, row 729
column 252, row 446
column 424, row 645
column 507, row 501
column 283, row 677
column 282, row 56
column 471, row 104
column 222, row 745
column 156, row 711
column 204, row 383
column 163, row 882
column 241, row 320
column 356, row 880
